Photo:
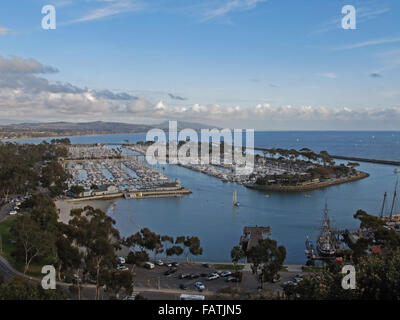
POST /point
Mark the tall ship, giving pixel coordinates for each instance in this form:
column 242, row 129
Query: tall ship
column 392, row 219
column 326, row 239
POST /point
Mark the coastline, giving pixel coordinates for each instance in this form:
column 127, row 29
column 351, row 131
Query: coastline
column 309, row 187
column 69, row 135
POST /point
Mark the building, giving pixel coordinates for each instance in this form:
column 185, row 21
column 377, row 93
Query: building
column 251, row 236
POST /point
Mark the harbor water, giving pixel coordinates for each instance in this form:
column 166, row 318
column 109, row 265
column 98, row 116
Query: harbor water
column 208, row 212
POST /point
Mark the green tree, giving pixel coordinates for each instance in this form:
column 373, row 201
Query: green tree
column 192, row 245
column 237, row 254
column 266, row 260
column 95, row 232
column 31, row 241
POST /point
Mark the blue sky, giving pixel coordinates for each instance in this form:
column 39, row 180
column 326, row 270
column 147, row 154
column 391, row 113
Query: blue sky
column 274, row 64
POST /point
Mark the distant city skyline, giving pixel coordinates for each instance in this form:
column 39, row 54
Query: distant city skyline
column 262, row 64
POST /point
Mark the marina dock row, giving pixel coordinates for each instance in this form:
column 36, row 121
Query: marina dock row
column 138, row 194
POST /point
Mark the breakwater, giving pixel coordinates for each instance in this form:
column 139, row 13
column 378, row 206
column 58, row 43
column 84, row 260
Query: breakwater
column 359, row 159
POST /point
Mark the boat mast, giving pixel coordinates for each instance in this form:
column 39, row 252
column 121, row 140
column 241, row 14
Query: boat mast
column 394, row 198
column 383, row 205
column 326, row 223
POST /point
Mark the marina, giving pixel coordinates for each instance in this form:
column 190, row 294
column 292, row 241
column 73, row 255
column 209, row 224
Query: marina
column 103, row 172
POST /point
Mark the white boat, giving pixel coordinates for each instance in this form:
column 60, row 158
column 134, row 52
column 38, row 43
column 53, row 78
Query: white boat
column 234, row 200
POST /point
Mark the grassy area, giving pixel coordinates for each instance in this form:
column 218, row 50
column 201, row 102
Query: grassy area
column 227, row 266
column 7, row 248
column 311, row 269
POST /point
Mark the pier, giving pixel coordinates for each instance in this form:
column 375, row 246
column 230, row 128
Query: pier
column 252, row 235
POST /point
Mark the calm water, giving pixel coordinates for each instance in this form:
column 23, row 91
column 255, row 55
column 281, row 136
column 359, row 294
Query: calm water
column 208, row 211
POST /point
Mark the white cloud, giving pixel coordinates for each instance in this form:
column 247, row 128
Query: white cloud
column 368, row 43
column 23, row 93
column 329, row 75
column 230, row 6
column 4, row 31
column 113, row 7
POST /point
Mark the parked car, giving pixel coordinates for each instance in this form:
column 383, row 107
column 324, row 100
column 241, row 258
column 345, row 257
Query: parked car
column 159, row 262
column 277, row 278
column 298, row 277
column 226, row 273
column 149, row 265
column 199, row 286
column 121, row 260
column 132, row 296
column 175, row 264
column 231, row 279
column 194, row 276
column 212, row 276
column 289, row 282
column 122, row 268
column 167, row 264
column 170, row 271
column 184, row 275
column 206, row 265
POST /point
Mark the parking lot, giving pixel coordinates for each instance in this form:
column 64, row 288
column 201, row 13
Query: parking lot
column 155, row 279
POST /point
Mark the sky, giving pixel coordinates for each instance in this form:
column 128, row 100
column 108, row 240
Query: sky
column 260, row 64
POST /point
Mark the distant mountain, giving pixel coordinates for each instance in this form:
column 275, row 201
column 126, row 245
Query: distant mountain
column 118, row 127
column 48, row 129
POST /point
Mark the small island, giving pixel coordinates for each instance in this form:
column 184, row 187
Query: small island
column 306, row 171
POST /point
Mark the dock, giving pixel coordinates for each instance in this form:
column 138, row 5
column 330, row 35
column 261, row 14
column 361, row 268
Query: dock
column 252, row 235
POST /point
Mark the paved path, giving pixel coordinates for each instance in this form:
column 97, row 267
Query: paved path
column 294, row 267
column 5, row 211
column 7, row 270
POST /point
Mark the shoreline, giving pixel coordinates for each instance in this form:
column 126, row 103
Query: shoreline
column 313, row 186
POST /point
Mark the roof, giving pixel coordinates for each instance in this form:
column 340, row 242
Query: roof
column 376, row 250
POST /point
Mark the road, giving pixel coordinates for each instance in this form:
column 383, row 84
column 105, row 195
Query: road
column 6, row 270
column 5, row 211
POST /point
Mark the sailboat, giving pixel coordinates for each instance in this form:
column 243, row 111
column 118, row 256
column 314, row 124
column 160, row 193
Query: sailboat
column 234, row 200
column 325, row 241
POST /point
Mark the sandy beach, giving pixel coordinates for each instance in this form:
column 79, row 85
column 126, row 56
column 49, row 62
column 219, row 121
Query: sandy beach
column 65, row 207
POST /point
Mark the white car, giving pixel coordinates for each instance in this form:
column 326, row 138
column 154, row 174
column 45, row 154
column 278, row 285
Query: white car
column 225, row 273
column 121, row 260
column 122, row 268
column 199, row 286
column 159, row 262
column 212, row 276
column 12, row 213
